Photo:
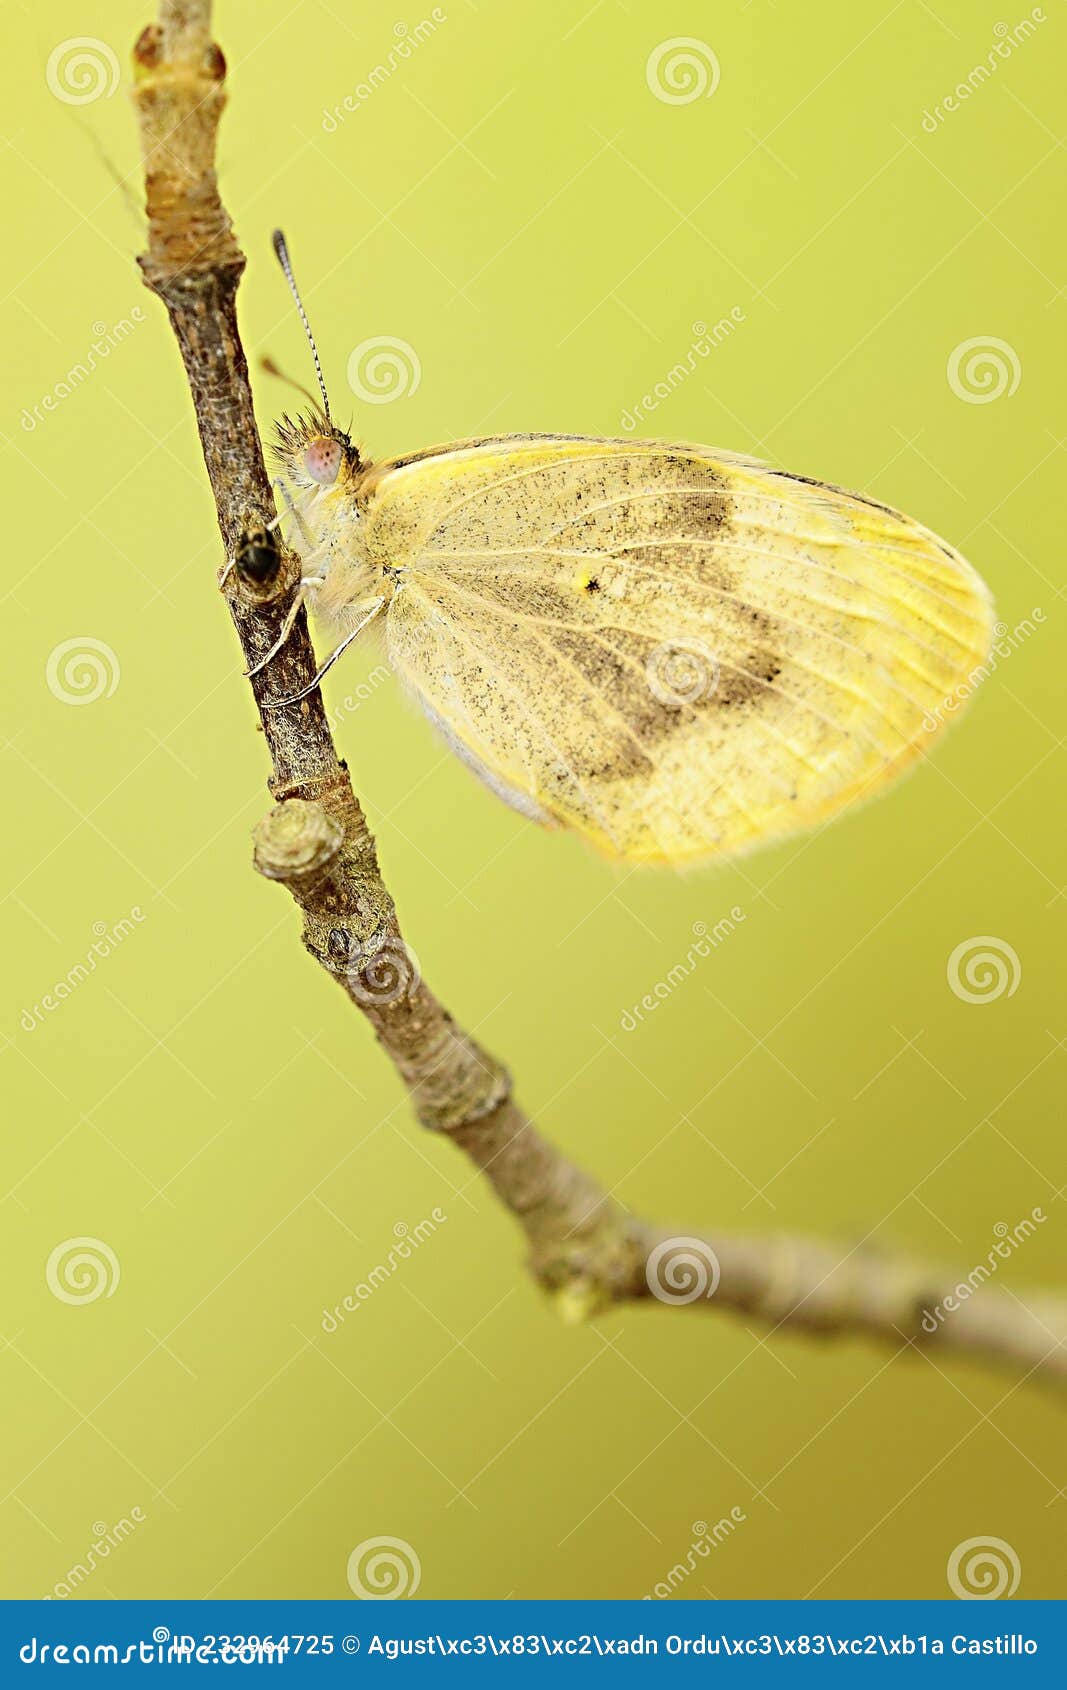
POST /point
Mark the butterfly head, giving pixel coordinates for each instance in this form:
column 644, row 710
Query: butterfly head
column 314, row 453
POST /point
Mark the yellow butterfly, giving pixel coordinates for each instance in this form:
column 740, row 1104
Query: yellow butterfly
column 675, row 651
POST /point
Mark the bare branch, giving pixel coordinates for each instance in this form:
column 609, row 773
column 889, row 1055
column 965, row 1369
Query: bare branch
column 583, row 1247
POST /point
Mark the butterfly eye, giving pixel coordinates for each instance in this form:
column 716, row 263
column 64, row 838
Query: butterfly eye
column 322, row 460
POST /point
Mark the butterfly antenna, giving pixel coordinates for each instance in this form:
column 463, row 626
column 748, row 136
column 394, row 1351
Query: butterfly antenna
column 267, row 364
column 282, row 251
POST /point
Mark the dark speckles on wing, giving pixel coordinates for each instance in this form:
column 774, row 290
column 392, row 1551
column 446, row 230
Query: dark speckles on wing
column 748, row 681
column 558, row 597
column 615, row 664
column 587, row 501
column 649, row 528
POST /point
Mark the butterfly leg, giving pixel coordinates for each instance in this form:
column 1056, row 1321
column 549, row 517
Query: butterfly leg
column 299, row 600
column 292, row 510
column 370, row 611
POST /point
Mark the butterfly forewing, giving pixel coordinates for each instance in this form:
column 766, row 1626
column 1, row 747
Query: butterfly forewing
column 676, row 652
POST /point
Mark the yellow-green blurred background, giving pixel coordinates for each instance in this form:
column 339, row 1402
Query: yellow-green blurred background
column 516, row 202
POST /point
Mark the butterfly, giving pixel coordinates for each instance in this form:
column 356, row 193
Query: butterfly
column 677, row 652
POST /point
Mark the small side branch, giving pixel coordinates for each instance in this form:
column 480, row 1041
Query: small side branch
column 584, row 1248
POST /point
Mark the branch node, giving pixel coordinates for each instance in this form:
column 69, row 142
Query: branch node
column 179, row 76
column 148, row 49
column 258, row 560
column 578, row 1300
column 296, row 842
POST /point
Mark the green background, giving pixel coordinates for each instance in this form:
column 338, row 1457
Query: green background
column 517, row 205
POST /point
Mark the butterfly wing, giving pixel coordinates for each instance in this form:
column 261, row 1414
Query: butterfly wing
column 674, row 651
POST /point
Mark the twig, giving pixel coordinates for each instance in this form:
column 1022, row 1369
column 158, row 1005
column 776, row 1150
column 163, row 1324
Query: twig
column 583, row 1247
